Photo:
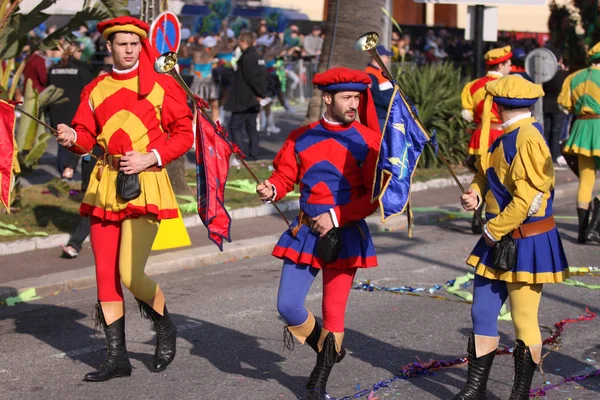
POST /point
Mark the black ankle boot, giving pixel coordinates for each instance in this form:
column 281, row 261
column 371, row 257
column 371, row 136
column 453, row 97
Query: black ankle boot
column 476, row 226
column 311, row 340
column 583, row 216
column 166, row 336
column 478, row 373
column 116, row 364
column 524, row 371
column 593, row 229
column 326, row 359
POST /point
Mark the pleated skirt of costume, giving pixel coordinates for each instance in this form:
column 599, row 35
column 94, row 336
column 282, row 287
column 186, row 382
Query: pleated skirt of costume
column 584, row 138
column 101, row 199
column 540, row 259
column 476, row 139
column 357, row 247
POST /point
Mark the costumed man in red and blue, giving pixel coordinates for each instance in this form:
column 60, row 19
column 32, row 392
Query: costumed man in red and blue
column 142, row 122
column 498, row 62
column 381, row 87
column 516, row 178
column 333, row 161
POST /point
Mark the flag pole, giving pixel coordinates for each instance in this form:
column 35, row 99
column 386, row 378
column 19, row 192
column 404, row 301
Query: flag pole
column 165, row 64
column 54, row 131
column 368, row 43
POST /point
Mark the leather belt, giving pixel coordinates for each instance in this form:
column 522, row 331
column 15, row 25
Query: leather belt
column 494, row 125
column 114, row 163
column 304, row 219
column 588, row 116
column 534, row 228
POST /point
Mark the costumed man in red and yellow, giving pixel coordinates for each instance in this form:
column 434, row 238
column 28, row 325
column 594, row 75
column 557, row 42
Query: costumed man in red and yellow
column 142, row 122
column 515, row 176
column 498, row 62
column 333, row 161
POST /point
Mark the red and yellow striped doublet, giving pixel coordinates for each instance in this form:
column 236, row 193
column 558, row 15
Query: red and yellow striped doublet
column 472, row 98
column 115, row 116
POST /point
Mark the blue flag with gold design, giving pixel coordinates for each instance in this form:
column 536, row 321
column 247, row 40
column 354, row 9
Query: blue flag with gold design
column 401, row 145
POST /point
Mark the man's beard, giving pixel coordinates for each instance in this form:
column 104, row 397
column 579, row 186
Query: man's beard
column 341, row 116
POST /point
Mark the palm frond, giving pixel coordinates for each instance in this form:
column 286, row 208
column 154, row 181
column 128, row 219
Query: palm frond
column 115, row 8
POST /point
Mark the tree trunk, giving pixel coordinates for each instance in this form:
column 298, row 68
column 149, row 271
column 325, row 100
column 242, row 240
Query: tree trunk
column 176, row 171
column 354, row 18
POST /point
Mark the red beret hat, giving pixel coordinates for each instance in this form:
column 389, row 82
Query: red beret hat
column 342, row 79
column 123, row 24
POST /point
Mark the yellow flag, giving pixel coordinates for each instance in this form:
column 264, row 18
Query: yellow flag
column 171, row 234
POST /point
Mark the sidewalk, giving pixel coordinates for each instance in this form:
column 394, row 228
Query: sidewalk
column 45, row 271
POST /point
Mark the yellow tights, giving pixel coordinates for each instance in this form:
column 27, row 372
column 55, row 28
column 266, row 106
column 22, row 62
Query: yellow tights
column 587, row 177
column 524, row 305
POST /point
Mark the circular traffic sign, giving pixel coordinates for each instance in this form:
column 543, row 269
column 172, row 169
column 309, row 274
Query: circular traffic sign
column 165, row 33
column 541, row 65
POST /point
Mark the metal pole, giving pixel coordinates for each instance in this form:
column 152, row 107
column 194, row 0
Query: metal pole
column 386, row 32
column 478, row 41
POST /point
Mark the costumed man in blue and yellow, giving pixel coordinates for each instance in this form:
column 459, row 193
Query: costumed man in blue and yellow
column 381, row 87
column 333, row 161
column 516, row 179
column 142, row 122
column 498, row 62
column 580, row 95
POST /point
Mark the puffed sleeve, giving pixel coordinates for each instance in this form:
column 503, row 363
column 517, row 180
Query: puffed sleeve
column 85, row 125
column 468, row 104
column 362, row 207
column 287, row 170
column 176, row 120
column 564, row 98
column 532, row 172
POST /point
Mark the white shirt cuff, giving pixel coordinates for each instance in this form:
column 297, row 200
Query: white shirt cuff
column 478, row 201
column 75, row 135
column 334, row 218
column 489, row 235
column 467, row 115
column 274, row 195
column 158, row 159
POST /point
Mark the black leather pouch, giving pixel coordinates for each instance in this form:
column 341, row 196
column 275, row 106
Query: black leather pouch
column 329, row 246
column 128, row 186
column 505, row 253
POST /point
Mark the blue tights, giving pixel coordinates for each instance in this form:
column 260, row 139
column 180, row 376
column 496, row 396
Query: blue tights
column 488, row 297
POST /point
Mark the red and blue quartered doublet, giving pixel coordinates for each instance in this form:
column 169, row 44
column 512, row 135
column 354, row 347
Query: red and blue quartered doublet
column 334, row 166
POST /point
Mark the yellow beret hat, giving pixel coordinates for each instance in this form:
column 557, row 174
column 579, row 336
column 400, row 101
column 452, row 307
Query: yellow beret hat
column 497, row 56
column 514, row 91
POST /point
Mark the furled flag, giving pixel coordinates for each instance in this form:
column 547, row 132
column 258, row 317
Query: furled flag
column 8, row 151
column 404, row 138
column 213, row 151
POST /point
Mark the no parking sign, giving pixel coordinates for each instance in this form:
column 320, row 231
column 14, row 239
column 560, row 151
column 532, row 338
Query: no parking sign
column 165, row 33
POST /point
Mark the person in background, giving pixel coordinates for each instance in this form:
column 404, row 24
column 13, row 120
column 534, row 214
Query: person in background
column 312, row 45
column 518, row 64
column 35, row 68
column 554, row 118
column 579, row 96
column 498, row 62
column 71, row 75
column 381, row 86
column 248, row 85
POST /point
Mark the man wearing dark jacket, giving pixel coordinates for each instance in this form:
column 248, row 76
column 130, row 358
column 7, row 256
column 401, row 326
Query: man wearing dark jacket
column 249, row 91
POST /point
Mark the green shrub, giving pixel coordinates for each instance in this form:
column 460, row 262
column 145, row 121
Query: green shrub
column 435, row 91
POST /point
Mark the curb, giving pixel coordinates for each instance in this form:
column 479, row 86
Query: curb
column 199, row 257
column 38, row 243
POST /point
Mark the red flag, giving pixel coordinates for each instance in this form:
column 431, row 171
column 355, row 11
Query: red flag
column 213, row 151
column 7, row 151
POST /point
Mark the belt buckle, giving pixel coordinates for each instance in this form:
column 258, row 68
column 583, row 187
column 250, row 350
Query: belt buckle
column 521, row 232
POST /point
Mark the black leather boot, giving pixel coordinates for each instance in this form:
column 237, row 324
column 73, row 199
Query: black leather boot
column 313, row 339
column 476, row 226
column 478, row 373
column 584, row 217
column 326, row 359
column 524, row 371
column 166, row 336
column 593, row 229
column 116, row 364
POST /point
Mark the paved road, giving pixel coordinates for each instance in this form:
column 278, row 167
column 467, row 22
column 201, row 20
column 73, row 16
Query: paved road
column 230, row 343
